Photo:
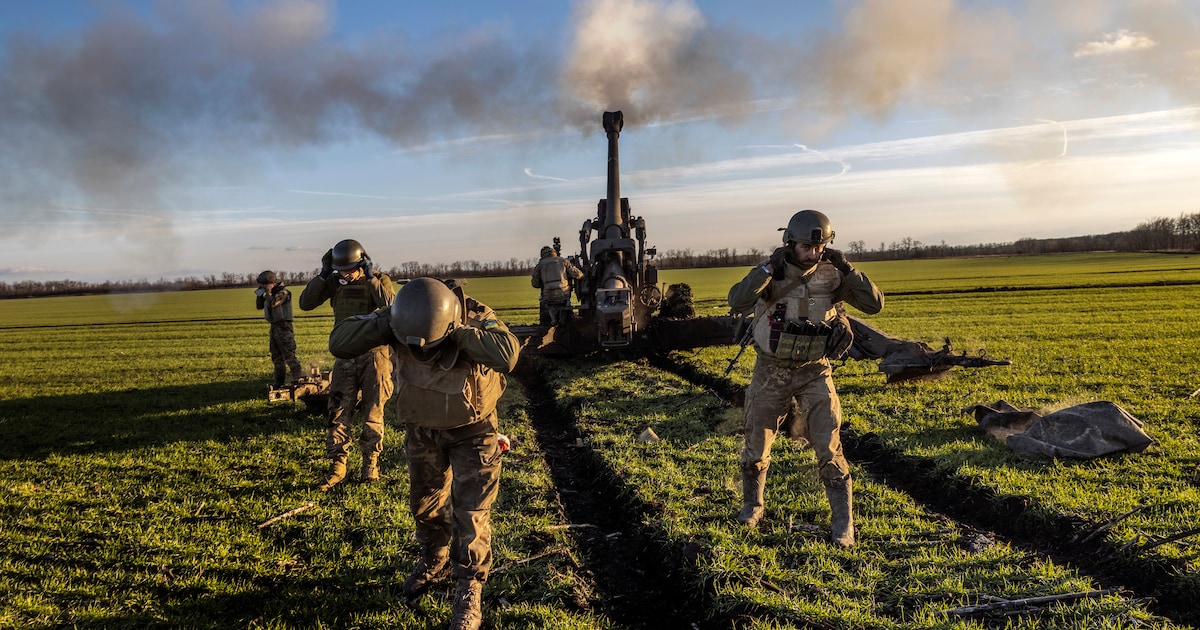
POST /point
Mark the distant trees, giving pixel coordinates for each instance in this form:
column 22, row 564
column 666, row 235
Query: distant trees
column 1181, row 234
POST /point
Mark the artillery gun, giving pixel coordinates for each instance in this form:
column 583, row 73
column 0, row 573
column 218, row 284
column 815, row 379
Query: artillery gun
column 619, row 293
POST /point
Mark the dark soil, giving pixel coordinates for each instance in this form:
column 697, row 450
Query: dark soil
column 642, row 580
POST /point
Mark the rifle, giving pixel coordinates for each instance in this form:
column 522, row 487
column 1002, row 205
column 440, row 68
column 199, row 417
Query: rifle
column 745, row 340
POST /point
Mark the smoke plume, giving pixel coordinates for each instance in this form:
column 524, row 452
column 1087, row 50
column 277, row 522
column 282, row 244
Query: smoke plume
column 108, row 118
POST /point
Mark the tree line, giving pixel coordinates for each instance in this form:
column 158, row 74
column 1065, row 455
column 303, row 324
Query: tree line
column 1181, row 234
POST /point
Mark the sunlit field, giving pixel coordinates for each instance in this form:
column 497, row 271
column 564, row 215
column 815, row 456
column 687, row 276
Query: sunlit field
column 140, row 456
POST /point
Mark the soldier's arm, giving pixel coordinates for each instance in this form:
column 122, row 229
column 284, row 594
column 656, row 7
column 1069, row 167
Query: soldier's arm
column 573, row 271
column 858, row 291
column 536, row 278
column 260, row 298
column 280, row 297
column 315, row 293
column 492, row 344
column 357, row 335
column 382, row 290
column 744, row 294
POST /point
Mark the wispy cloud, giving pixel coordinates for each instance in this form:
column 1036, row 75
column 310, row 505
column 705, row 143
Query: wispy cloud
column 338, row 194
column 1123, row 40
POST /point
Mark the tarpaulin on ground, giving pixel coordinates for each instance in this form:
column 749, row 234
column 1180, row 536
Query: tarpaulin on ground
column 1083, row 431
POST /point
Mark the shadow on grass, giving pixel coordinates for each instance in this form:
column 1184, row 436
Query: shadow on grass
column 37, row 427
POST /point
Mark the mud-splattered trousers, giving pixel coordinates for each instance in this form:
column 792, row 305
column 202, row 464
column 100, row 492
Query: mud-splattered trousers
column 454, row 477
column 773, row 387
column 363, row 384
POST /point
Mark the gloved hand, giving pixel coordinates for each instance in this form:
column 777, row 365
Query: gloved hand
column 277, row 288
column 840, row 338
column 368, row 266
column 260, row 292
column 778, row 259
column 836, row 258
column 327, row 264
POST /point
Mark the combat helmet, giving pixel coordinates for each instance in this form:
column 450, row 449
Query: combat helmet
column 547, row 251
column 349, row 254
column 809, row 227
column 266, row 277
column 424, row 312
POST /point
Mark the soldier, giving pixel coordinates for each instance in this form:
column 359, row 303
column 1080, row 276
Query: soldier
column 363, row 381
column 552, row 275
column 800, row 324
column 275, row 300
column 452, row 354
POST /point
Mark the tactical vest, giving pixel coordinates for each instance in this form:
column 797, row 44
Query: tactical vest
column 281, row 313
column 431, row 396
column 436, row 398
column 791, row 317
column 356, row 298
column 553, row 272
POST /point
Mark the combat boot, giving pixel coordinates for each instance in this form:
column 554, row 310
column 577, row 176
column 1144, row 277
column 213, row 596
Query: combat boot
column 753, row 485
column 337, row 472
column 370, row 470
column 280, row 375
column 466, row 608
column 841, row 527
column 432, row 567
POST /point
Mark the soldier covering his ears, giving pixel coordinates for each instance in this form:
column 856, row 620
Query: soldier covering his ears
column 799, row 325
column 363, row 383
column 452, row 356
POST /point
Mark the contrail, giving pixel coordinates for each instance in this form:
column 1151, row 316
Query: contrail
column 529, row 172
column 840, row 162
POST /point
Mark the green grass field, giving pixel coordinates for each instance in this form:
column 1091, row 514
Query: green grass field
column 140, row 456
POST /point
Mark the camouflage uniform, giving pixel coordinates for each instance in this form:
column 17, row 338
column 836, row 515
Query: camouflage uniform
column 798, row 376
column 447, row 403
column 277, row 310
column 551, row 276
column 361, row 382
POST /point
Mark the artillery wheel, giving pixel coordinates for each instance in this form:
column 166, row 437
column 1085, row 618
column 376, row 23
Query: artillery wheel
column 650, row 296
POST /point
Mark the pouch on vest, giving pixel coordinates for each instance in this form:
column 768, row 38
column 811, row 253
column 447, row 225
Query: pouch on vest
column 802, row 340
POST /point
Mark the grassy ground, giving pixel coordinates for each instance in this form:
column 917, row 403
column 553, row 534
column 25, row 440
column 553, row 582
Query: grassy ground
column 140, row 455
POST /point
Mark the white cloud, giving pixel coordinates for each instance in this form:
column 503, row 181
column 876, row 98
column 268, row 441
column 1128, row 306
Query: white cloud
column 1122, row 40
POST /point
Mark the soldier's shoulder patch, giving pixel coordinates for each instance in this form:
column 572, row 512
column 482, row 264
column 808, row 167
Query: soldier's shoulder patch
column 490, row 324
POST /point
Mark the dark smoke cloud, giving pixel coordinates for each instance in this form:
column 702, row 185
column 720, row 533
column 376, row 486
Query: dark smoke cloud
column 107, row 118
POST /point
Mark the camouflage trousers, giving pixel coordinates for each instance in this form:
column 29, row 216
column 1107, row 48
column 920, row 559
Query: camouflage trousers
column 454, row 477
column 283, row 350
column 817, row 417
column 363, row 384
column 557, row 306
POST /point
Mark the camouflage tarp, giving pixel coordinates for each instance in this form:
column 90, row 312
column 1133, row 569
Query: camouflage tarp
column 1083, row 431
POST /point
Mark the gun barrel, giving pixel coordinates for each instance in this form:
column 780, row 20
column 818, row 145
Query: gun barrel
column 613, row 121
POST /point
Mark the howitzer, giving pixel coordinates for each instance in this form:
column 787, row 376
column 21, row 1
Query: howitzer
column 905, row 360
column 900, row 359
column 619, row 293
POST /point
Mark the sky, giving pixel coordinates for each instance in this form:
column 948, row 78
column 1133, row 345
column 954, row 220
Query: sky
column 161, row 139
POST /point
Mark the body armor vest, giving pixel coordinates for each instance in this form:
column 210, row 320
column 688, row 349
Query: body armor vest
column 354, row 299
column 435, row 397
column 791, row 317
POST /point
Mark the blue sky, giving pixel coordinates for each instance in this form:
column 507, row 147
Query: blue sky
column 159, row 139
